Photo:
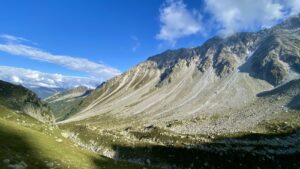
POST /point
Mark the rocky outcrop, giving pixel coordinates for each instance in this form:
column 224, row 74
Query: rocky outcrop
column 21, row 99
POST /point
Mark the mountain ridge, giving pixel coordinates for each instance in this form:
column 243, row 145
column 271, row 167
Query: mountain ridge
column 219, row 78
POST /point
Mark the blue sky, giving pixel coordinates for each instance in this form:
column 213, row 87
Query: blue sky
column 100, row 39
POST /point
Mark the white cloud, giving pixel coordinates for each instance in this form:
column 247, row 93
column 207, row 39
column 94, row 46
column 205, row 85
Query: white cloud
column 294, row 6
column 30, row 78
column 177, row 21
column 137, row 43
column 245, row 15
column 98, row 70
column 12, row 38
column 223, row 16
column 16, row 79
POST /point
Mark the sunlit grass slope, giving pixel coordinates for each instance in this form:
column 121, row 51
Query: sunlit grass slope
column 27, row 143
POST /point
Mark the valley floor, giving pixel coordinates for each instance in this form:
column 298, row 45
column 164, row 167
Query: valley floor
column 278, row 147
column 28, row 144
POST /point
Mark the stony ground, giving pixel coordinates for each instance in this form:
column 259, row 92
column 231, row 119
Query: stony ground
column 272, row 144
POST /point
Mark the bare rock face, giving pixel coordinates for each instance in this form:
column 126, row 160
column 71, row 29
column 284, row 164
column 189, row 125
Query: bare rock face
column 221, row 77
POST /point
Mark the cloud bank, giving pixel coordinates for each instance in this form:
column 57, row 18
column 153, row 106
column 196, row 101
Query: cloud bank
column 177, row 21
column 14, row 46
column 11, row 38
column 223, row 16
column 30, row 78
column 244, row 15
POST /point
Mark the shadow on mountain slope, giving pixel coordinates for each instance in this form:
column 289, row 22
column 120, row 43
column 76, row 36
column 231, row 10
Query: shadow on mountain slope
column 294, row 103
column 250, row 151
column 109, row 164
column 289, row 90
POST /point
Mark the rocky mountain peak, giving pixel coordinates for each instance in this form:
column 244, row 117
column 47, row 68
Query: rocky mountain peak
column 274, row 54
column 293, row 22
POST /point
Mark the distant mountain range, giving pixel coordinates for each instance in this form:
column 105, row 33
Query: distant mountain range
column 44, row 92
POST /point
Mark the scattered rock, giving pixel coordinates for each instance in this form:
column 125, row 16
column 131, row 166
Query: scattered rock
column 128, row 128
column 6, row 161
column 65, row 134
column 169, row 125
column 149, row 127
column 50, row 164
column 59, row 140
column 148, row 161
column 21, row 165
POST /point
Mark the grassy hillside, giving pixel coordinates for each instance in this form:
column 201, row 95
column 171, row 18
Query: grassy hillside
column 14, row 96
column 27, row 143
column 62, row 109
column 20, row 99
column 65, row 103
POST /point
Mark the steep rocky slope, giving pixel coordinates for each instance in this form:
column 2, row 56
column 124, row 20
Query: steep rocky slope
column 64, row 103
column 23, row 100
column 265, row 135
column 220, row 79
